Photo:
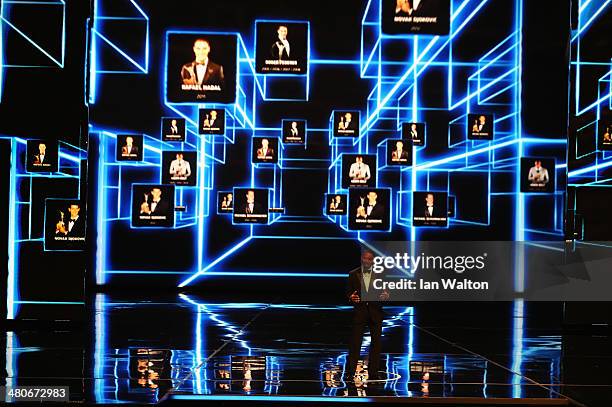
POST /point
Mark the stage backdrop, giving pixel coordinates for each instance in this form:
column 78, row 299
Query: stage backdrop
column 262, row 137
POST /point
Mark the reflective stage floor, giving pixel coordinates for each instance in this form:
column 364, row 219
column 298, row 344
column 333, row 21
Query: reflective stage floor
column 198, row 350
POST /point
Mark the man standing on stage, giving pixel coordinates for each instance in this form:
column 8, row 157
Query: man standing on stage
column 368, row 312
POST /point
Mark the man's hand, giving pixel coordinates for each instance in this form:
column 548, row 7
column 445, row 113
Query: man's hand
column 355, row 297
column 384, row 296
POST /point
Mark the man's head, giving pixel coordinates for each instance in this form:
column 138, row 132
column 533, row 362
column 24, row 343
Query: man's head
column 482, row 119
column 230, row 197
column 201, row 49
column 250, row 195
column 399, row 145
column 129, row 140
column 74, row 210
column 213, row 114
column 338, row 198
column 413, row 127
column 282, row 32
column 294, row 125
column 156, row 193
column 173, row 122
column 372, row 196
column 42, row 147
column 429, row 199
column 367, row 258
column 264, row 143
column 348, row 116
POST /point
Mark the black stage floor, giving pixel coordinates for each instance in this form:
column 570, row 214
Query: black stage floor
column 203, row 350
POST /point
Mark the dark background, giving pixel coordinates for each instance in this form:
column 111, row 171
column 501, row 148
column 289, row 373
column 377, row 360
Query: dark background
column 134, row 103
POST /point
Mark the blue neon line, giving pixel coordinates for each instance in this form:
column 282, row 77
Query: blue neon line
column 13, row 256
column 50, row 302
column 58, row 63
column 120, row 51
column 215, row 262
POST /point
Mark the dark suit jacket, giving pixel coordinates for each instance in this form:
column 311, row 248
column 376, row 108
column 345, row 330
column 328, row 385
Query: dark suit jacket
column 134, row 150
column 275, row 53
column 341, row 206
column 403, row 155
column 437, row 212
column 78, row 229
column 269, row 153
column 213, row 76
column 355, row 283
column 161, row 208
column 378, row 212
column 351, row 125
column 427, row 8
column 47, row 159
column 257, row 208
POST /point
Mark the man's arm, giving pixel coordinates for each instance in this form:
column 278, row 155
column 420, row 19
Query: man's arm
column 352, row 292
column 531, row 175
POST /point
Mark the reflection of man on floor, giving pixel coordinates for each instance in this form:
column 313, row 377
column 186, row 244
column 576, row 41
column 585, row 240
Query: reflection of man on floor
column 365, row 313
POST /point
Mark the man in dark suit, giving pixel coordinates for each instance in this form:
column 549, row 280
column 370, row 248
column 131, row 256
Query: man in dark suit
column 202, row 71
column 42, row 158
column 129, row 149
column 265, row 152
column 399, row 154
column 251, row 207
column 154, row 205
column 337, row 204
column 76, row 224
column 431, row 209
column 360, row 291
column 347, row 123
column 281, row 49
column 372, row 209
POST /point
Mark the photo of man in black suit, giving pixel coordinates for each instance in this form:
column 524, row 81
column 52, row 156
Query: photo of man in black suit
column 42, row 156
column 201, row 72
column 370, row 208
column 346, row 123
column 481, row 127
column 39, row 157
column 173, row 129
column 152, row 205
column 251, row 205
column 129, row 147
column 201, row 67
column 399, row 152
column 367, row 310
column 281, row 49
column 415, row 16
column 74, row 225
column 335, row 204
column 430, row 209
column 64, row 225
